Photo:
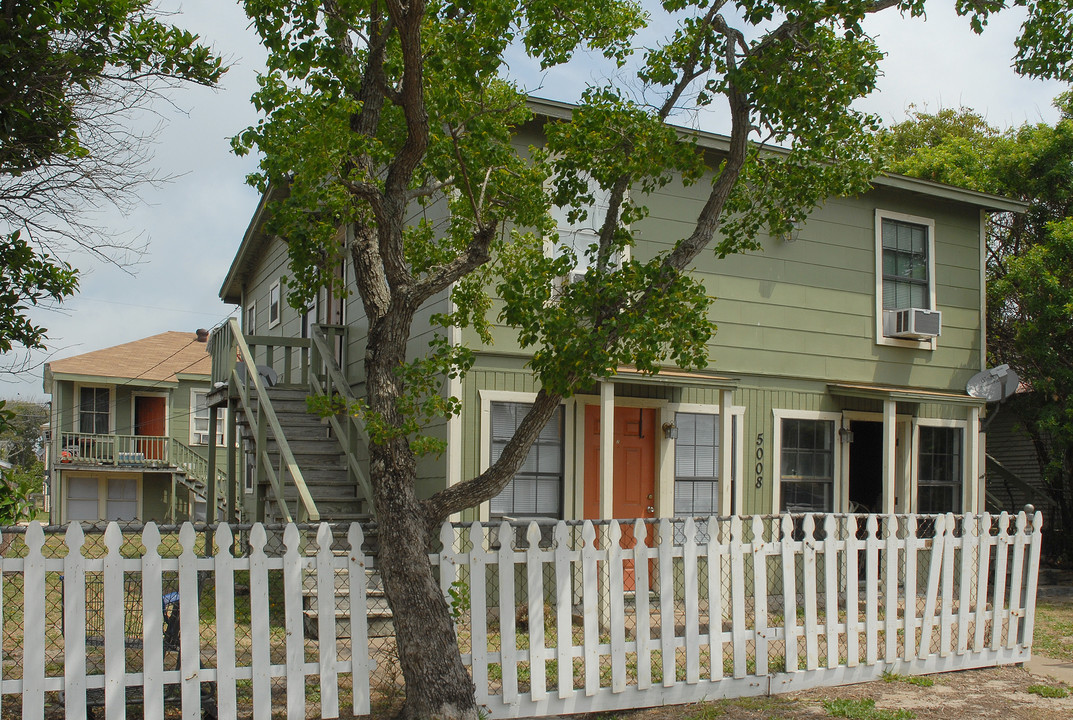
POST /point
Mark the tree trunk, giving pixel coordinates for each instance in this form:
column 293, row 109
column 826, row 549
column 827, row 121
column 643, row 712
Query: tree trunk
column 437, row 683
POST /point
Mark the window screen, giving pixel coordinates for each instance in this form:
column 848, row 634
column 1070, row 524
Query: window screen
column 82, row 500
column 536, row 490
column 122, row 503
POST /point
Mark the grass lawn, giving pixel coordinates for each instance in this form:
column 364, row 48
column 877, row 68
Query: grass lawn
column 1053, row 634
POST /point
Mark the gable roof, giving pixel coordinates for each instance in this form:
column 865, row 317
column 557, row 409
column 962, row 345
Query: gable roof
column 156, row 360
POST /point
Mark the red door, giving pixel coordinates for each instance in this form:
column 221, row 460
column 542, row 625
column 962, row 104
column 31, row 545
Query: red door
column 633, row 474
column 150, row 415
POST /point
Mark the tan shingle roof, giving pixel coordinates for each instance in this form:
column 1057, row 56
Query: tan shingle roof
column 159, row 358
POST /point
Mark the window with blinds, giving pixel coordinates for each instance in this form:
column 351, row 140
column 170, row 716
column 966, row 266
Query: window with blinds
column 696, row 465
column 93, row 410
column 807, row 463
column 536, row 490
column 905, row 266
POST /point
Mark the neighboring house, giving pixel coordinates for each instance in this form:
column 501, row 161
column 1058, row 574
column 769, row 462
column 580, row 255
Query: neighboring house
column 833, row 384
column 1014, row 476
column 129, row 431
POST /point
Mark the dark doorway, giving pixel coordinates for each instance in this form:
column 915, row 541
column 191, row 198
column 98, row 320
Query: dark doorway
column 866, row 467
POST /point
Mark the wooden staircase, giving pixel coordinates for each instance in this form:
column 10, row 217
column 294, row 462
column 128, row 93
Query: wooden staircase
column 319, row 455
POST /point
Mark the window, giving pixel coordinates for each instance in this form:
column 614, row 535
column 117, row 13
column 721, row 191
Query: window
column 807, row 465
column 122, row 502
column 93, row 410
column 696, row 465
column 251, row 318
column 82, row 500
column 273, row 305
column 579, row 235
column 537, row 488
column 939, row 470
column 905, row 270
column 199, row 420
column 905, row 265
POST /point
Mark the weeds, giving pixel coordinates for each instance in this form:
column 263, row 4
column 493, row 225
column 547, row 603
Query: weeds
column 864, row 710
column 1048, row 691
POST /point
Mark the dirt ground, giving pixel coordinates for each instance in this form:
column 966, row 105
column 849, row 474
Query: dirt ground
column 1000, row 693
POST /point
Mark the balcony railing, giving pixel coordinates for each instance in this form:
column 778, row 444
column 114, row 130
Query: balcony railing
column 119, row 450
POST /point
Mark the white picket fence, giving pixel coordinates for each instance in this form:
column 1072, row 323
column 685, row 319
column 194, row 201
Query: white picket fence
column 555, row 619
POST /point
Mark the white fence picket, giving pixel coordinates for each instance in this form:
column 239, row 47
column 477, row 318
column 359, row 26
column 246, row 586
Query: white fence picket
column 326, row 645
column 115, row 620
column 871, row 591
column 999, row 614
column 760, row 593
column 938, row 544
column 226, row 690
column 360, row 665
column 616, row 590
column 534, row 588
column 912, row 546
column 1031, row 581
column 564, row 596
column 946, row 622
column 811, row 631
column 1015, row 580
column 508, row 639
column 691, row 599
column 189, row 627
column 830, row 589
column 74, row 625
column 967, row 548
column 293, row 622
column 478, row 584
column 890, row 572
column 853, row 593
column 33, row 639
column 737, row 597
column 260, row 632
column 667, row 643
column 643, row 627
column 153, row 624
column 589, row 602
column 789, row 595
column 982, row 567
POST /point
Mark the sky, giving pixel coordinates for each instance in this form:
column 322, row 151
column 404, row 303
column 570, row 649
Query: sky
column 195, row 222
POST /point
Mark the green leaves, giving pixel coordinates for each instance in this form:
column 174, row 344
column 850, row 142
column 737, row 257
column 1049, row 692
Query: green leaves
column 28, row 279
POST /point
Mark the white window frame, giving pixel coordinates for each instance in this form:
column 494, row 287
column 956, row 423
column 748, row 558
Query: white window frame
column 570, row 481
column 728, row 497
column 966, row 465
column 251, row 318
column 76, row 420
column 221, row 421
column 880, row 216
column 275, row 304
column 780, row 414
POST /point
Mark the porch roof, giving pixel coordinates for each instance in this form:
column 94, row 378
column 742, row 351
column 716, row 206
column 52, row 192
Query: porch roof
column 884, row 392
column 667, row 376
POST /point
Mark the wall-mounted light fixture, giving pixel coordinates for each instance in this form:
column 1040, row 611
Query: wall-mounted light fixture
column 670, row 430
column 845, row 435
column 794, row 233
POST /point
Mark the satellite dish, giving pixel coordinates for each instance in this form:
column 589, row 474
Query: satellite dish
column 993, row 385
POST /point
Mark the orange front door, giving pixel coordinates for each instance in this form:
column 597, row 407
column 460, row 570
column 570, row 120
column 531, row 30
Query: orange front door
column 150, row 415
column 633, row 474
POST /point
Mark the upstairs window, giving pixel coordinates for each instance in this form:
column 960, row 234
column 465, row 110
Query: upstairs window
column 199, row 420
column 274, row 308
column 939, row 476
column 93, row 410
column 906, row 277
column 579, row 235
column 536, row 490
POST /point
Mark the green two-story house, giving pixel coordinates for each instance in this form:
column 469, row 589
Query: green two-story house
column 129, row 431
column 836, row 380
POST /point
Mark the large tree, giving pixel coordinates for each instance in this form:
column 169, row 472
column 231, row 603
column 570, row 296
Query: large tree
column 373, row 108
column 1029, row 262
column 73, row 73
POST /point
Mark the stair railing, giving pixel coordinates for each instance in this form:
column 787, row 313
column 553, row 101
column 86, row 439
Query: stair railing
column 196, row 468
column 241, row 384
column 349, row 430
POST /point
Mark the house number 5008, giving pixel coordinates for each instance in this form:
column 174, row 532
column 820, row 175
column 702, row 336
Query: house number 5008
column 760, row 460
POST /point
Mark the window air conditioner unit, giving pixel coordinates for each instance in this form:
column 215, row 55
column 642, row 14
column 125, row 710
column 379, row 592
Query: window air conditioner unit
column 913, row 323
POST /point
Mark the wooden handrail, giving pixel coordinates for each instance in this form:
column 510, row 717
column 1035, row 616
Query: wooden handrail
column 334, row 381
column 288, row 465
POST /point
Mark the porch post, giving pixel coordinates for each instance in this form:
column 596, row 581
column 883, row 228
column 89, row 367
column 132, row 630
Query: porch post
column 726, row 452
column 607, row 449
column 210, row 481
column 890, row 478
column 973, row 479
